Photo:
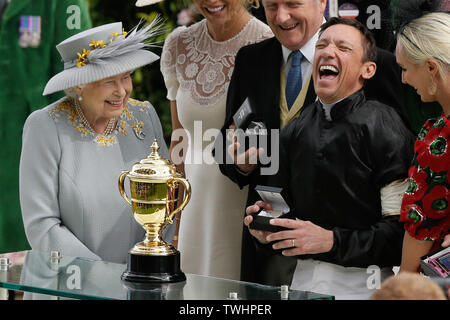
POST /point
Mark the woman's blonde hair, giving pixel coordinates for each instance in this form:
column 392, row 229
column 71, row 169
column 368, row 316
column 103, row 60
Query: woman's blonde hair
column 428, row 37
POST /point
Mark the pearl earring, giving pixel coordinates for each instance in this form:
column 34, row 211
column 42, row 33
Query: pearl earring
column 80, row 98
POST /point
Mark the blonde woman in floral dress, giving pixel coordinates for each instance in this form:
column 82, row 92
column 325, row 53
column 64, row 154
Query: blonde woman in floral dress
column 422, row 52
column 197, row 63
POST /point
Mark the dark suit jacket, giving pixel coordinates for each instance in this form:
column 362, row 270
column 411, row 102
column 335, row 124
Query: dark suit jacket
column 256, row 76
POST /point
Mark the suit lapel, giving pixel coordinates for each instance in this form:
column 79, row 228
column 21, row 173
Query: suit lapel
column 271, row 83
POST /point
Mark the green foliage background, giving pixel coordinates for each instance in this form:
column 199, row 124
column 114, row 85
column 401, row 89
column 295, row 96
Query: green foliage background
column 148, row 81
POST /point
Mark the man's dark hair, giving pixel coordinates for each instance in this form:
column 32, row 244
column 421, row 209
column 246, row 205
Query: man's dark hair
column 369, row 46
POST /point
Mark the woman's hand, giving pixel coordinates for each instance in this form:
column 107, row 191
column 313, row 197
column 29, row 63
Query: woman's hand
column 412, row 251
column 446, row 242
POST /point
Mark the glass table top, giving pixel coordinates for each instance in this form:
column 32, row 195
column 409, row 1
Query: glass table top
column 78, row 278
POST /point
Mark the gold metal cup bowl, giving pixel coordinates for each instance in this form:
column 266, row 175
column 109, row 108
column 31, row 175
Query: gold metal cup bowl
column 154, row 184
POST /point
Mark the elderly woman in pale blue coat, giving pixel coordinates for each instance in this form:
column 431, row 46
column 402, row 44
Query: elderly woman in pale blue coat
column 75, row 149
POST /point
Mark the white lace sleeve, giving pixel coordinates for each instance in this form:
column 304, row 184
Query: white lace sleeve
column 168, row 63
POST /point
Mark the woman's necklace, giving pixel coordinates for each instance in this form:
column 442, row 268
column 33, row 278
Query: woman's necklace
column 109, row 127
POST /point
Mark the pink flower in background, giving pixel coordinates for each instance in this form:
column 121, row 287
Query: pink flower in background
column 444, row 5
column 184, row 17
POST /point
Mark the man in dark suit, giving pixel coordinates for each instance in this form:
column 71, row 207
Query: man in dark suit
column 260, row 74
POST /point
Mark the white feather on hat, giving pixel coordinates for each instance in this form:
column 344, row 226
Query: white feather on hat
column 142, row 3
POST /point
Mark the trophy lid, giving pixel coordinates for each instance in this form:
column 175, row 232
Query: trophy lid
column 154, row 167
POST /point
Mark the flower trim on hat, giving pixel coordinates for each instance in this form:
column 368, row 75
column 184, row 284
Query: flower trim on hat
column 116, row 34
column 129, row 42
column 82, row 58
column 99, row 44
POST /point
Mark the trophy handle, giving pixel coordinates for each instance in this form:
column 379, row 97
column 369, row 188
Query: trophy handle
column 121, row 188
column 187, row 188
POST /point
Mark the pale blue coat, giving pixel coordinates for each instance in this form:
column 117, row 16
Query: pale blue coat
column 69, row 181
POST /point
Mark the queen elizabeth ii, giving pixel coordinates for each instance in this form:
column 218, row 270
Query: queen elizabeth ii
column 75, row 148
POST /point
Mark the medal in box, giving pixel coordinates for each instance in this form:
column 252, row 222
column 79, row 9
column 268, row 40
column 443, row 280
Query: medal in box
column 280, row 209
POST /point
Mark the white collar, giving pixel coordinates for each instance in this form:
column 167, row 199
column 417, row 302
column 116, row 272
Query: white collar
column 328, row 106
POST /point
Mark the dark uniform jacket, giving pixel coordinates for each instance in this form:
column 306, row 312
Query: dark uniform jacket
column 332, row 172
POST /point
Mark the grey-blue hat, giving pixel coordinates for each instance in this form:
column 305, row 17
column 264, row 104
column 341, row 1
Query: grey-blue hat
column 102, row 52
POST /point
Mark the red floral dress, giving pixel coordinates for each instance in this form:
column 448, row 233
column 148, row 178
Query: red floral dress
column 426, row 203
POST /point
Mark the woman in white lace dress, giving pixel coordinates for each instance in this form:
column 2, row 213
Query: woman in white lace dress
column 197, row 63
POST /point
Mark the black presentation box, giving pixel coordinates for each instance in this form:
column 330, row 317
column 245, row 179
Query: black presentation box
column 280, row 208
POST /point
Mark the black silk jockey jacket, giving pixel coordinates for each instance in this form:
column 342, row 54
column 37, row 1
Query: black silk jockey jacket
column 332, row 172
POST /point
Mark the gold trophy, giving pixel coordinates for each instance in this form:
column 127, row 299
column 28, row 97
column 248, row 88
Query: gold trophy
column 154, row 183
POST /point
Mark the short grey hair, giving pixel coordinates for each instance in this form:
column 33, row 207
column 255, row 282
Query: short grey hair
column 71, row 92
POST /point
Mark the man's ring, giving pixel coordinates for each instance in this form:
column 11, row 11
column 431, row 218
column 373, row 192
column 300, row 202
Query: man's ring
column 293, row 243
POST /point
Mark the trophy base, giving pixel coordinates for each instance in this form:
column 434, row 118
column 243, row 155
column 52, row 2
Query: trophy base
column 153, row 269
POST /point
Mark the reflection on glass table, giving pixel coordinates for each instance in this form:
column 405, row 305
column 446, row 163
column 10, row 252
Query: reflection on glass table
column 79, row 278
